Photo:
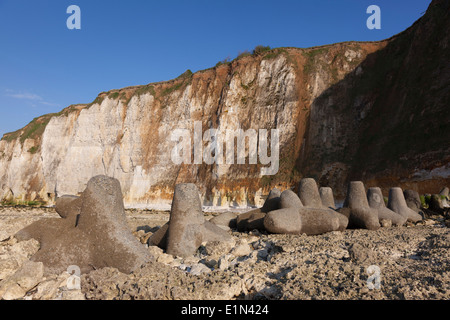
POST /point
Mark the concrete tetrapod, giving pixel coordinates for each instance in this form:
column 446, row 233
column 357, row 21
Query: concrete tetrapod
column 92, row 234
column 188, row 228
column 412, row 199
column 254, row 219
column 294, row 218
column 326, row 194
column 360, row 215
column 376, row 201
column 397, row 203
column 309, row 194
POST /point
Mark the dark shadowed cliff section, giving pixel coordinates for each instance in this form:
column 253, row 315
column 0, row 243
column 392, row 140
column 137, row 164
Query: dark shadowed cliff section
column 392, row 113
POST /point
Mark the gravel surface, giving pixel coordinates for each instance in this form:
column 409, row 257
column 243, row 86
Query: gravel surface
column 409, row 262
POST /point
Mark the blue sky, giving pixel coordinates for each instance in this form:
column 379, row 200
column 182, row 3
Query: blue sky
column 45, row 67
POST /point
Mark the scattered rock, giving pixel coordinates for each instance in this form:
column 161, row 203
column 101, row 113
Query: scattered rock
column 219, row 248
column 241, row 249
column 360, row 254
column 198, row 269
column 25, row 279
column 385, row 223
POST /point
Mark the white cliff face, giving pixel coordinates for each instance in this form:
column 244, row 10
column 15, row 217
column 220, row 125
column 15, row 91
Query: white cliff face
column 128, row 135
column 130, row 140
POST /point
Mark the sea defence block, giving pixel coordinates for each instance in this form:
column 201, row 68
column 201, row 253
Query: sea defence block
column 309, row 194
column 188, row 228
column 376, row 201
column 310, row 221
column 254, row 219
column 327, row 197
column 397, row 203
column 289, row 199
column 412, row 199
column 360, row 214
column 92, row 233
column 295, row 218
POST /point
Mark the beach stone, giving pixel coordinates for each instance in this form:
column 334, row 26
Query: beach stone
column 23, row 280
column 188, row 228
column 326, row 195
column 101, row 237
column 397, row 203
column 289, row 199
column 412, row 199
column 241, row 249
column 376, row 201
column 385, row 223
column 360, row 254
column 444, row 192
column 360, row 215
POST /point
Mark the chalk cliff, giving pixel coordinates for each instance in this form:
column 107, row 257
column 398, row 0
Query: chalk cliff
column 371, row 111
